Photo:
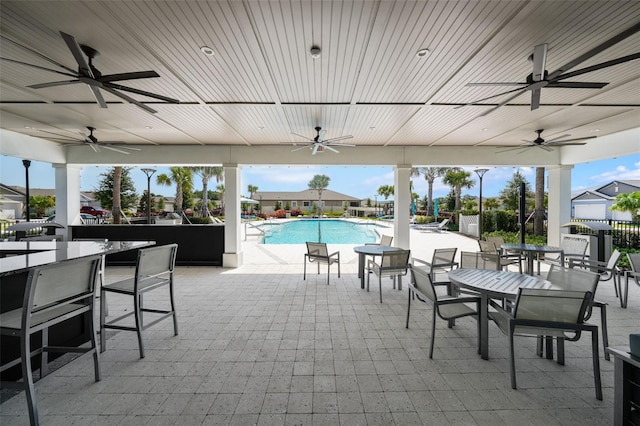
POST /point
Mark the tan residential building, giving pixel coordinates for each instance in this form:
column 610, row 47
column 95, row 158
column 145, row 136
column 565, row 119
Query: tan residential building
column 304, row 200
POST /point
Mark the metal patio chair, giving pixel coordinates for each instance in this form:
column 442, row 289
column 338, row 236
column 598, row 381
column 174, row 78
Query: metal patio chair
column 318, row 253
column 557, row 313
column 392, row 264
column 446, row 307
column 154, row 270
column 54, row 294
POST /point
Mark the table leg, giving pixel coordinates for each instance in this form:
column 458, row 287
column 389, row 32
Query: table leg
column 530, row 256
column 361, row 268
column 484, row 326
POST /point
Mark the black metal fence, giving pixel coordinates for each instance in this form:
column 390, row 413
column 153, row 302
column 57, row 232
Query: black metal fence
column 625, row 234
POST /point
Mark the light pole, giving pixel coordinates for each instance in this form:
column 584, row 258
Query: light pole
column 480, row 173
column 26, row 164
column 375, row 208
column 149, row 173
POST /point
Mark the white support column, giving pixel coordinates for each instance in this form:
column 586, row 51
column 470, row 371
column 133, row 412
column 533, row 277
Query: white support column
column 401, row 206
column 232, row 256
column 67, row 181
column 559, row 210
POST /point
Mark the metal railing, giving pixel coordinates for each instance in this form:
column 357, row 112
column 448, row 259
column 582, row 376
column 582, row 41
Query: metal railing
column 625, row 234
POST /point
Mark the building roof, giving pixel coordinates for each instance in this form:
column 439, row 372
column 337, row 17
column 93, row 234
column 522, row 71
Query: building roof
column 596, row 192
column 307, row 194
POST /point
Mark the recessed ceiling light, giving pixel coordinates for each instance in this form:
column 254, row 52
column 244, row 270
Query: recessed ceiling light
column 372, row 128
column 148, row 127
column 485, row 129
column 315, row 52
column 261, row 127
column 594, row 130
column 422, row 53
column 28, row 127
column 207, row 50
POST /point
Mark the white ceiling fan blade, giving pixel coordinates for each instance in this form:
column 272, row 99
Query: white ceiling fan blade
column 119, row 145
column 315, row 148
column 546, row 148
column 516, row 147
column 110, row 148
column 303, row 137
column 331, row 149
column 321, row 135
column 341, row 144
column 539, row 62
column 300, row 148
column 339, row 138
column 93, row 147
column 555, row 140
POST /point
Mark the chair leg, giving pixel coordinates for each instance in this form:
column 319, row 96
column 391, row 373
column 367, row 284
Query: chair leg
column 27, row 376
column 44, row 357
column 103, row 305
column 338, row 265
column 614, row 277
column 136, row 309
column 328, row 271
column 605, row 334
column 596, row 364
column 173, row 309
column 560, row 350
column 512, row 359
column 94, row 346
column 409, row 293
column 380, row 286
column 625, row 295
column 368, row 277
column 304, row 274
column 433, row 331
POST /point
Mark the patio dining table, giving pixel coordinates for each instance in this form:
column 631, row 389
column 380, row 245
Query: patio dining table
column 530, row 250
column 492, row 284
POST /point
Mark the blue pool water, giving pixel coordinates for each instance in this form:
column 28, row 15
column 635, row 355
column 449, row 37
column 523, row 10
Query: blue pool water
column 328, row 231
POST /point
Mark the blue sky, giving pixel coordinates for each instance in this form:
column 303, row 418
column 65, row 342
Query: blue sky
column 361, row 182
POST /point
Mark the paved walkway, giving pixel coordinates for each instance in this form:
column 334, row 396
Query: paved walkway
column 258, row 345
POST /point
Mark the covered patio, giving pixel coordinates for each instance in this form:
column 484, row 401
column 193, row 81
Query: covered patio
column 258, row 345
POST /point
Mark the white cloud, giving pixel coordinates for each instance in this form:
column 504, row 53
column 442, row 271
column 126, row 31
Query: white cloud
column 619, row 173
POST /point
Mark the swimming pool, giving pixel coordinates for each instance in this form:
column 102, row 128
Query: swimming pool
column 330, row 231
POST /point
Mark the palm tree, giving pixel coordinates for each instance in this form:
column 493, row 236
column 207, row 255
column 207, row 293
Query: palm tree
column 252, row 189
column 117, row 200
column 430, row 175
column 182, row 178
column 386, row 191
column 206, row 173
column 220, row 189
column 628, row 203
column 538, row 217
column 319, row 183
column 457, row 179
column 490, row 203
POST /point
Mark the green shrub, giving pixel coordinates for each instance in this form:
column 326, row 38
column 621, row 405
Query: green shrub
column 199, row 220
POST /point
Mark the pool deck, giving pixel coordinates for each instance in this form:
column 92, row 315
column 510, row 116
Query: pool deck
column 260, row 346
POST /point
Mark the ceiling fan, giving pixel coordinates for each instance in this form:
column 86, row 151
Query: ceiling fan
column 548, row 144
column 319, row 144
column 91, row 76
column 540, row 78
column 92, row 141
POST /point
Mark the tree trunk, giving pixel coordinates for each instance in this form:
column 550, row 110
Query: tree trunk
column 538, row 217
column 430, row 199
column 179, row 199
column 205, row 198
column 116, row 211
